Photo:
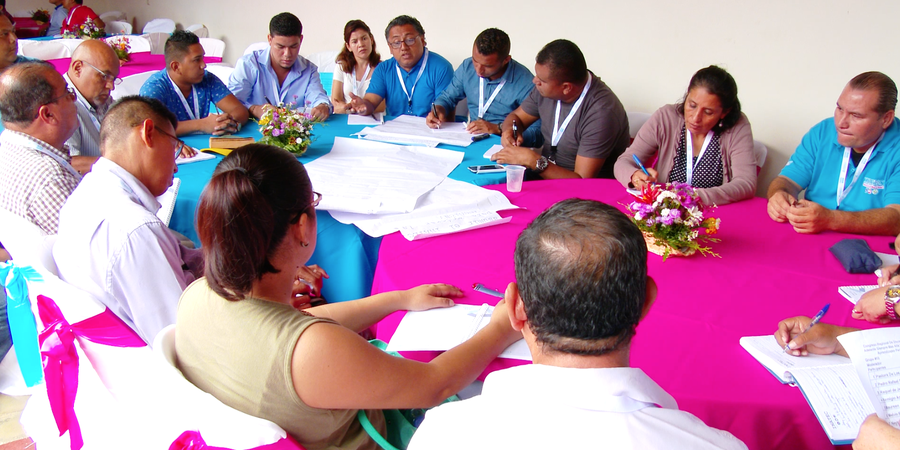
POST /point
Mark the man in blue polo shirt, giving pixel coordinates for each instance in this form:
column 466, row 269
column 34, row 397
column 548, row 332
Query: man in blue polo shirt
column 279, row 74
column 849, row 166
column 187, row 89
column 493, row 85
column 411, row 80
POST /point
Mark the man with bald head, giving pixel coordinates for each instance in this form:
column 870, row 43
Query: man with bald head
column 111, row 243
column 38, row 114
column 93, row 73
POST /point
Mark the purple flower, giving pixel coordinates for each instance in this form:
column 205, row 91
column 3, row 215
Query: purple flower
column 277, row 132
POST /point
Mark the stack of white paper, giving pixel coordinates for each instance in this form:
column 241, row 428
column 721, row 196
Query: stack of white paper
column 441, row 329
column 451, row 207
column 366, row 177
column 413, row 130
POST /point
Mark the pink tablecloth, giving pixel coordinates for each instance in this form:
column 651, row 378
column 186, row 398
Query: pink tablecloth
column 689, row 341
column 140, row 63
column 26, row 27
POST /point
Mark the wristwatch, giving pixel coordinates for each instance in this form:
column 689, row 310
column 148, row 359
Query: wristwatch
column 891, row 297
column 541, row 164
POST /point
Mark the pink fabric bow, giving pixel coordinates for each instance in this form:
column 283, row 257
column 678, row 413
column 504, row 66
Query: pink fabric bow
column 60, row 358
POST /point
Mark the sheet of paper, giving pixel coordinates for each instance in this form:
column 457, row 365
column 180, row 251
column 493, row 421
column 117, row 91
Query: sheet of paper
column 449, row 197
column 374, row 119
column 888, row 259
column 854, row 293
column 167, row 201
column 837, row 398
column 452, row 223
column 367, row 177
column 876, row 357
column 200, row 156
column 444, row 328
column 411, row 129
column 491, row 151
column 767, row 351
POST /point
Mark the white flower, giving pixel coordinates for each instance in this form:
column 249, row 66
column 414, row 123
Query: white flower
column 299, row 140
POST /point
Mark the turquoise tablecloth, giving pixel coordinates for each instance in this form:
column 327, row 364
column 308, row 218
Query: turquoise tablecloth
column 346, row 253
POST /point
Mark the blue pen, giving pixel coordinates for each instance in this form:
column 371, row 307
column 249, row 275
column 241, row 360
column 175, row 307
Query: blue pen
column 640, row 164
column 812, row 323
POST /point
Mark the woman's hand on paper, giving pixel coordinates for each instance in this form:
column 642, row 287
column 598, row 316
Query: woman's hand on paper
column 888, row 276
column 871, row 308
column 820, row 340
column 430, row 296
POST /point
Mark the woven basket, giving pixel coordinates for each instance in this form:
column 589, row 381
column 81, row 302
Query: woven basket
column 652, row 247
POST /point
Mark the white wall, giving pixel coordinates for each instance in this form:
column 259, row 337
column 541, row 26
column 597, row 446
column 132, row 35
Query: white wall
column 790, row 58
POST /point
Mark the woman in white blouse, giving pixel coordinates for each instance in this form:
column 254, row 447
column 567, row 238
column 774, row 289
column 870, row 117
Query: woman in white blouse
column 354, row 67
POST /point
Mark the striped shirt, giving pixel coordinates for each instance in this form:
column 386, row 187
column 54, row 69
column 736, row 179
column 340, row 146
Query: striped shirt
column 33, row 184
column 86, row 139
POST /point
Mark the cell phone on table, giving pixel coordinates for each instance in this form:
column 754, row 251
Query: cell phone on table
column 487, row 168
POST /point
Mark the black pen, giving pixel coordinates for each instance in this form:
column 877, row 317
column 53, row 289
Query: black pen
column 515, row 133
column 434, row 111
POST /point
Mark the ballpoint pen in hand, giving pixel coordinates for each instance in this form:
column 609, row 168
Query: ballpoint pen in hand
column 812, row 323
column 640, row 164
column 515, row 130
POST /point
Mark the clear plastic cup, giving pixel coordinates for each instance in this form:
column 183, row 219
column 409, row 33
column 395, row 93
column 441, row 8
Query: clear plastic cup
column 515, row 175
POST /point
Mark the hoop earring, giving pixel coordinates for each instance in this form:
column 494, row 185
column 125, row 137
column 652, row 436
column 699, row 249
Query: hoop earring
column 304, row 244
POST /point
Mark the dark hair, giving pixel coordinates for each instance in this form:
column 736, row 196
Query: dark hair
column 178, row 44
column 399, row 21
column 255, row 193
column 887, row 90
column 79, row 2
column 24, row 88
column 720, row 83
column 285, row 24
column 345, row 58
column 129, row 112
column 493, row 42
column 565, row 61
column 581, row 267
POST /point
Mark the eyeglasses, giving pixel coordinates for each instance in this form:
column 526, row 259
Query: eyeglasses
column 69, row 93
column 409, row 42
column 317, row 197
column 107, row 77
column 179, row 144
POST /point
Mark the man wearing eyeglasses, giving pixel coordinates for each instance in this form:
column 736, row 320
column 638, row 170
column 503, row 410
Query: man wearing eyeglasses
column 93, row 73
column 411, row 80
column 111, row 243
column 39, row 115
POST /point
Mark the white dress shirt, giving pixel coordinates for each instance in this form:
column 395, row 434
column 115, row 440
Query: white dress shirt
column 540, row 407
column 112, row 245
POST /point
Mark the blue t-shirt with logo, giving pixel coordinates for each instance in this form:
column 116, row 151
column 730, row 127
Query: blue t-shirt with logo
column 816, row 167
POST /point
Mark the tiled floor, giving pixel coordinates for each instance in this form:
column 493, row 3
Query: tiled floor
column 12, row 437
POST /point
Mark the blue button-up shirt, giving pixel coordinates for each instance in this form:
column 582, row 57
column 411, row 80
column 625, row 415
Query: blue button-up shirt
column 436, row 77
column 254, row 82
column 56, row 19
column 160, row 87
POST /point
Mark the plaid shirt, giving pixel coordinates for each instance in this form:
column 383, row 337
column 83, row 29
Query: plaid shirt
column 32, row 184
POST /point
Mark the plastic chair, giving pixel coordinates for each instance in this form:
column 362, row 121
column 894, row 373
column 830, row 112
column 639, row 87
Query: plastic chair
column 131, row 85
column 43, row 49
column 324, row 60
column 759, row 152
column 220, row 70
column 27, row 243
column 213, row 47
column 113, row 16
column 635, row 121
column 118, row 27
column 199, row 29
column 256, row 46
column 157, row 42
column 159, row 26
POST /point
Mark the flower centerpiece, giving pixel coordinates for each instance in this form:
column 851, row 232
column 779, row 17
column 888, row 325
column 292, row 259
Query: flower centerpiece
column 40, row 15
column 87, row 30
column 122, row 48
column 671, row 217
column 286, row 127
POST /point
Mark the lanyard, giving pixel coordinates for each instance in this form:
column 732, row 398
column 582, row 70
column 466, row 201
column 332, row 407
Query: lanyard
column 689, row 153
column 90, row 112
column 195, row 114
column 482, row 107
column 71, row 13
column 841, row 190
column 558, row 129
column 356, row 84
column 409, row 94
column 21, row 140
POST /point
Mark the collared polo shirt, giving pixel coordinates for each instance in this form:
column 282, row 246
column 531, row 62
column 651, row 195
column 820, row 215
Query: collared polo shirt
column 210, row 89
column 436, row 77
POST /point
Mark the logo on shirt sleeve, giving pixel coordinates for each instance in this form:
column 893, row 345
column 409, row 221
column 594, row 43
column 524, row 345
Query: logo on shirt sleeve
column 873, row 186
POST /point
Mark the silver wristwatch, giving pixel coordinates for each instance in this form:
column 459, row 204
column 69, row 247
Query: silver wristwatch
column 541, row 164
